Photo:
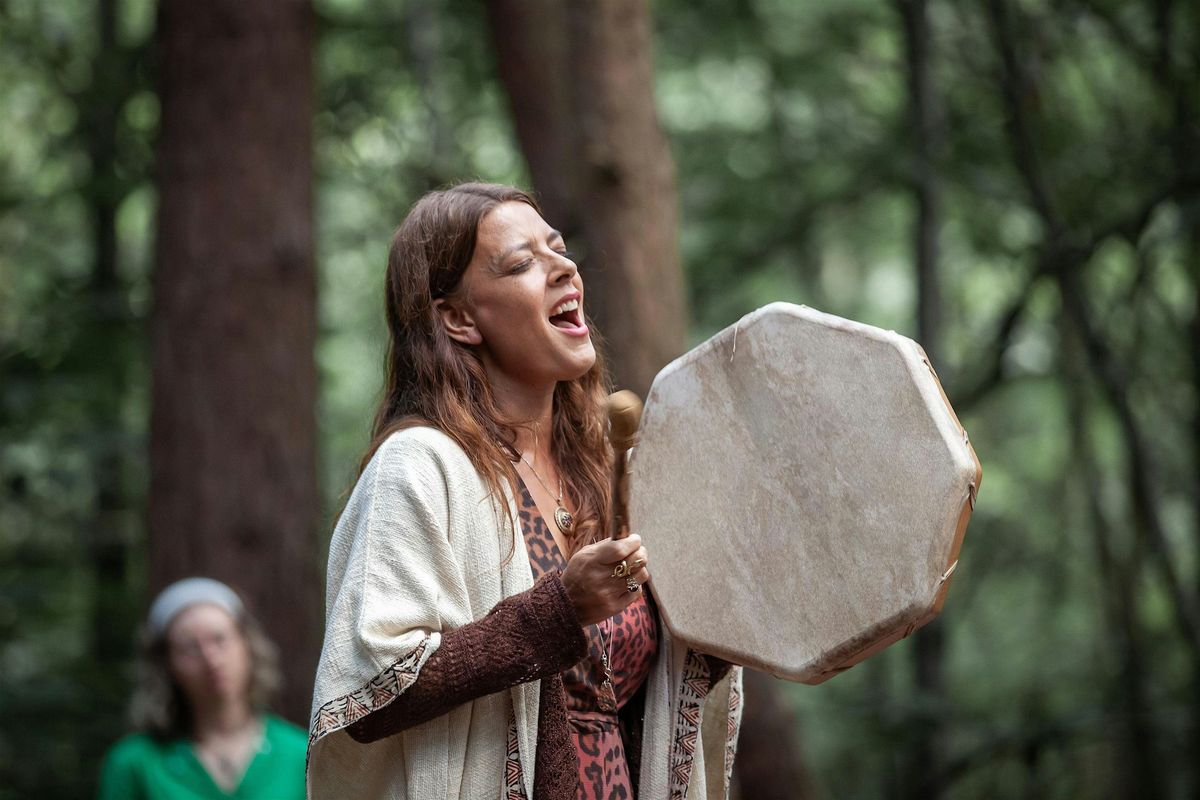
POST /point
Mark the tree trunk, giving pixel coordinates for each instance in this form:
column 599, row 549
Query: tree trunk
column 626, row 189
column 923, row 767
column 533, row 70
column 233, row 475
column 589, row 130
column 1137, row 774
column 1174, row 84
column 1191, row 249
column 106, row 355
column 110, row 325
column 769, row 765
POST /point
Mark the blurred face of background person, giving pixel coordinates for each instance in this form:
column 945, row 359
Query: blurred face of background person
column 208, row 656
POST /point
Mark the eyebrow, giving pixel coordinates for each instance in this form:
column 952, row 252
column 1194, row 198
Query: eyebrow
column 499, row 259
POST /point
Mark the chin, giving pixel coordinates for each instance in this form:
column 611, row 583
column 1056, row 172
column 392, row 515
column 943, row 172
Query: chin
column 583, row 362
column 573, row 373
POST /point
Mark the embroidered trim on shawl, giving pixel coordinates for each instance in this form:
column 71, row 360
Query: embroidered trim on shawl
column 735, row 722
column 381, row 690
column 693, row 689
column 514, row 786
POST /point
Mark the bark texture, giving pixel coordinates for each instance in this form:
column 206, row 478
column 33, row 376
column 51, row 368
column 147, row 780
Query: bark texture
column 533, row 70
column 626, row 189
column 233, row 473
column 606, row 154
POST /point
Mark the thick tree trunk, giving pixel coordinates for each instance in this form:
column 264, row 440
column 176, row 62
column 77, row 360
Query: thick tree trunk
column 533, row 70
column 233, row 474
column 588, row 127
column 626, row 189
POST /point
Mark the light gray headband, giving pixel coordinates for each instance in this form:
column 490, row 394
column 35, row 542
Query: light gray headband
column 190, row 592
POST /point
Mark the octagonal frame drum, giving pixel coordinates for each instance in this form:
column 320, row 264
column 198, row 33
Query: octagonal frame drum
column 802, row 485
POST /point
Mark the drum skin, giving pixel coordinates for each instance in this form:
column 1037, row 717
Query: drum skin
column 803, row 487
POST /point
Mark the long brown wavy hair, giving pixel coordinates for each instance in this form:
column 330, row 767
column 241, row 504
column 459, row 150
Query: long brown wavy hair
column 431, row 379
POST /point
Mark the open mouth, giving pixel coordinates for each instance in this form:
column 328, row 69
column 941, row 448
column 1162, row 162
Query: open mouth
column 567, row 315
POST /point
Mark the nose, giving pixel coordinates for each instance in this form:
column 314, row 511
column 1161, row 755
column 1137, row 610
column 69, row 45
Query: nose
column 563, row 270
column 210, row 655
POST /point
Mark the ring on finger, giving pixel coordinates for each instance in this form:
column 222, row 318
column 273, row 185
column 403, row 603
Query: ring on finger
column 621, row 570
column 632, row 585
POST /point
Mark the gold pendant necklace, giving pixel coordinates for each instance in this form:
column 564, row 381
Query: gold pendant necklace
column 562, row 517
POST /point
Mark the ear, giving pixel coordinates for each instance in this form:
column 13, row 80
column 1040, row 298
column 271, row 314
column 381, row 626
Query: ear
column 457, row 320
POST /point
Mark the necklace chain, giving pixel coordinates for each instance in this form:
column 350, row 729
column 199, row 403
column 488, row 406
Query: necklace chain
column 538, row 475
column 562, row 517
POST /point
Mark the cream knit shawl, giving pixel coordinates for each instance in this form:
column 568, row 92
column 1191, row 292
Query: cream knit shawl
column 421, row 548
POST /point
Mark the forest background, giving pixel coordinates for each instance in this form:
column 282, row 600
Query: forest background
column 195, row 205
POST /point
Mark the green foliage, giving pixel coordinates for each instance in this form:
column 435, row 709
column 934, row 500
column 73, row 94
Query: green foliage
column 73, row 389
column 796, row 182
column 409, row 101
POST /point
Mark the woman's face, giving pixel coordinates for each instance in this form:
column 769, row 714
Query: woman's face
column 521, row 302
column 208, row 656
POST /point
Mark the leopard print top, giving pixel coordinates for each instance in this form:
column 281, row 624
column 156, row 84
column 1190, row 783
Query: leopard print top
column 632, row 640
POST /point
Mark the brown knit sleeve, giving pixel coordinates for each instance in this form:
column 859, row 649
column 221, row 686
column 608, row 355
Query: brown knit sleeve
column 531, row 635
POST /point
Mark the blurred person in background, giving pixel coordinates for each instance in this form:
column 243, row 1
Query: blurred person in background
column 206, row 675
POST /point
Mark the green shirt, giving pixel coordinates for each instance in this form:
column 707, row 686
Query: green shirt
column 140, row 767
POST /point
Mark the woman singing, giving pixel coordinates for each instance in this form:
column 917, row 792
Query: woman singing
column 484, row 639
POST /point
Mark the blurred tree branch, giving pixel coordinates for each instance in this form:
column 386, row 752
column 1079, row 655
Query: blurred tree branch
column 1064, row 254
column 1116, row 584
